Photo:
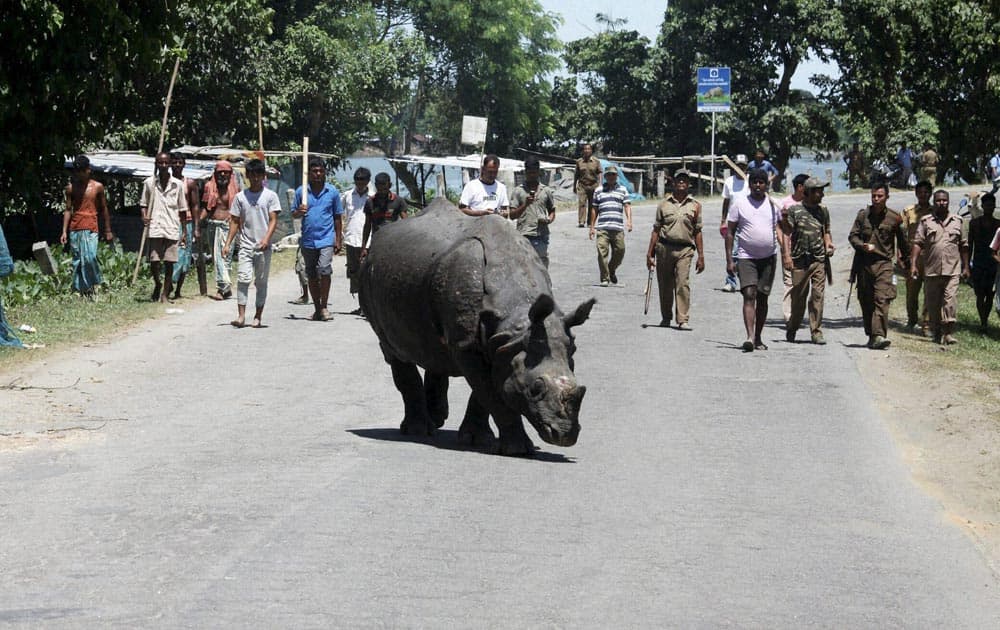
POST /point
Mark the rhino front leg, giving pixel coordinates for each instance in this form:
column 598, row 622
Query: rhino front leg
column 475, row 428
column 416, row 420
column 436, row 394
column 513, row 439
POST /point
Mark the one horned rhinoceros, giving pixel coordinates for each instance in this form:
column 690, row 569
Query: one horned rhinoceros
column 467, row 296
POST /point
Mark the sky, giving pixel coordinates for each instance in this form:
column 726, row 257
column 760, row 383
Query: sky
column 644, row 16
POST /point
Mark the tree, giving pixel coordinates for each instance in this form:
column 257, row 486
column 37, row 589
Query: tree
column 492, row 58
column 63, row 88
column 612, row 68
column 763, row 43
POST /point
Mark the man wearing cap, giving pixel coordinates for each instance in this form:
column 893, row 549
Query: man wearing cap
column 534, row 207
column 85, row 202
column 675, row 238
column 733, row 187
column 586, row 176
column 610, row 214
column 806, row 226
column 219, row 193
column 754, row 234
column 945, row 245
column 877, row 236
column 798, row 194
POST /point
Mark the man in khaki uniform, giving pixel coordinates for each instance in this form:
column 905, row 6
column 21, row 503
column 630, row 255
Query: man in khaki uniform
column 911, row 219
column 928, row 164
column 586, row 177
column 877, row 238
column 946, row 248
column 675, row 238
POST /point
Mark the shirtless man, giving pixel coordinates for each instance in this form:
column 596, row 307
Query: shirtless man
column 85, row 200
column 219, row 193
column 189, row 223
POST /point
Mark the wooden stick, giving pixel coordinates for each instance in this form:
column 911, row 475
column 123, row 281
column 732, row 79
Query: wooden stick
column 732, row 165
column 260, row 123
column 163, row 133
column 305, row 172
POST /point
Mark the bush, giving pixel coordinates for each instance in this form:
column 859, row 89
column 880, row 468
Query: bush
column 28, row 285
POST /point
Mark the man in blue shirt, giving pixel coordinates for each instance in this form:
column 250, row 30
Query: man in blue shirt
column 762, row 163
column 322, row 234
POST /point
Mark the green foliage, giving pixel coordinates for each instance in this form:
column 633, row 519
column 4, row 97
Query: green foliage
column 489, row 58
column 28, row 285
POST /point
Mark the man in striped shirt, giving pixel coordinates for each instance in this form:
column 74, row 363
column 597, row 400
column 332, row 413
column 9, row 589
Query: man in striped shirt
column 609, row 216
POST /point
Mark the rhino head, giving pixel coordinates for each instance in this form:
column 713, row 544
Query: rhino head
column 532, row 369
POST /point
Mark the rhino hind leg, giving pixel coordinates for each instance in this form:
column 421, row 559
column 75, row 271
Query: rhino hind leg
column 436, row 394
column 475, row 429
column 416, row 421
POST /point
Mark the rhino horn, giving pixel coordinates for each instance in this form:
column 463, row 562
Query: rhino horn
column 542, row 308
column 580, row 315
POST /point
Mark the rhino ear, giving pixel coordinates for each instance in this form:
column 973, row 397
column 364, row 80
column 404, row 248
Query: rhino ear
column 580, row 315
column 542, row 308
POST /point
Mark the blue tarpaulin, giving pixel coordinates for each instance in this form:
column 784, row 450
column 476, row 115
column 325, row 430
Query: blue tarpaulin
column 632, row 195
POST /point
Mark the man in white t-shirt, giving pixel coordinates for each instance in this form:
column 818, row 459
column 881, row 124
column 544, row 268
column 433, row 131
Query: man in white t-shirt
column 734, row 186
column 354, row 220
column 253, row 216
column 753, row 222
column 485, row 195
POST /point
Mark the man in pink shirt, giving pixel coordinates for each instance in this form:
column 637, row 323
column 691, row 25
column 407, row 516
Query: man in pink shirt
column 754, row 221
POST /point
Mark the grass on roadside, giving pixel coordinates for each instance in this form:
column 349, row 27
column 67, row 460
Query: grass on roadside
column 974, row 349
column 68, row 319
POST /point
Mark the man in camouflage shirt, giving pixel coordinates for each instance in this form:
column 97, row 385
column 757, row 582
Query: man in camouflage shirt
column 877, row 237
column 806, row 226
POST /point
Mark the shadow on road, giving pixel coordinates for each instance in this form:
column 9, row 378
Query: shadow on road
column 447, row 439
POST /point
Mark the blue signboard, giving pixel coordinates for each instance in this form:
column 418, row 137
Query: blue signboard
column 714, row 94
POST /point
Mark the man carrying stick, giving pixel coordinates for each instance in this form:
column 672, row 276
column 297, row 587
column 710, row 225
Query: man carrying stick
column 164, row 199
column 322, row 233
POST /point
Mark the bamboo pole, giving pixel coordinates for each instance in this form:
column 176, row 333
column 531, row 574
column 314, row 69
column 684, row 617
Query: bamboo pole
column 260, row 123
column 159, row 148
column 305, row 172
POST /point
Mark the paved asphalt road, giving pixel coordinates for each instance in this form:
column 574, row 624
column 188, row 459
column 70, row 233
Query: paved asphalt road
column 255, row 478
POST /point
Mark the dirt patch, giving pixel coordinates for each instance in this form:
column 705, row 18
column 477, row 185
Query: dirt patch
column 946, row 420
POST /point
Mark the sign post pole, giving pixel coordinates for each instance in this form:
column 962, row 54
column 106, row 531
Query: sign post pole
column 711, row 184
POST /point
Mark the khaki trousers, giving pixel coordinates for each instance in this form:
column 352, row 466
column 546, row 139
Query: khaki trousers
column 808, row 282
column 584, row 200
column 612, row 242
column 786, row 297
column 941, row 299
column 914, row 315
column 673, row 273
column 875, row 292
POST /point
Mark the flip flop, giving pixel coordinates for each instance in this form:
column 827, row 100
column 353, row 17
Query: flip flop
column 747, row 346
column 236, row 324
column 760, row 346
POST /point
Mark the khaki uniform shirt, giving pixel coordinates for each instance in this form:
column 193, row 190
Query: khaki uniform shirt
column 165, row 206
column 911, row 219
column 929, row 158
column 942, row 243
column 677, row 223
column 588, row 172
column 887, row 235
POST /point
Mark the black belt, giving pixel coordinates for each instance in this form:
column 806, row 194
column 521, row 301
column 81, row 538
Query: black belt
column 803, row 262
column 669, row 243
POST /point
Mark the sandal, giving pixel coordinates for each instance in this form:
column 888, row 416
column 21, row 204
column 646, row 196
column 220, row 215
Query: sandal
column 760, row 346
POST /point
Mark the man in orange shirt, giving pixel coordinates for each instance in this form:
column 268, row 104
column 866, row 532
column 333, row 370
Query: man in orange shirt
column 85, row 199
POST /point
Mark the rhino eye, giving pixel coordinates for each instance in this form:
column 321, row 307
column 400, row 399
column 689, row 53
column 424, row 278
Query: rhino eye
column 537, row 389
